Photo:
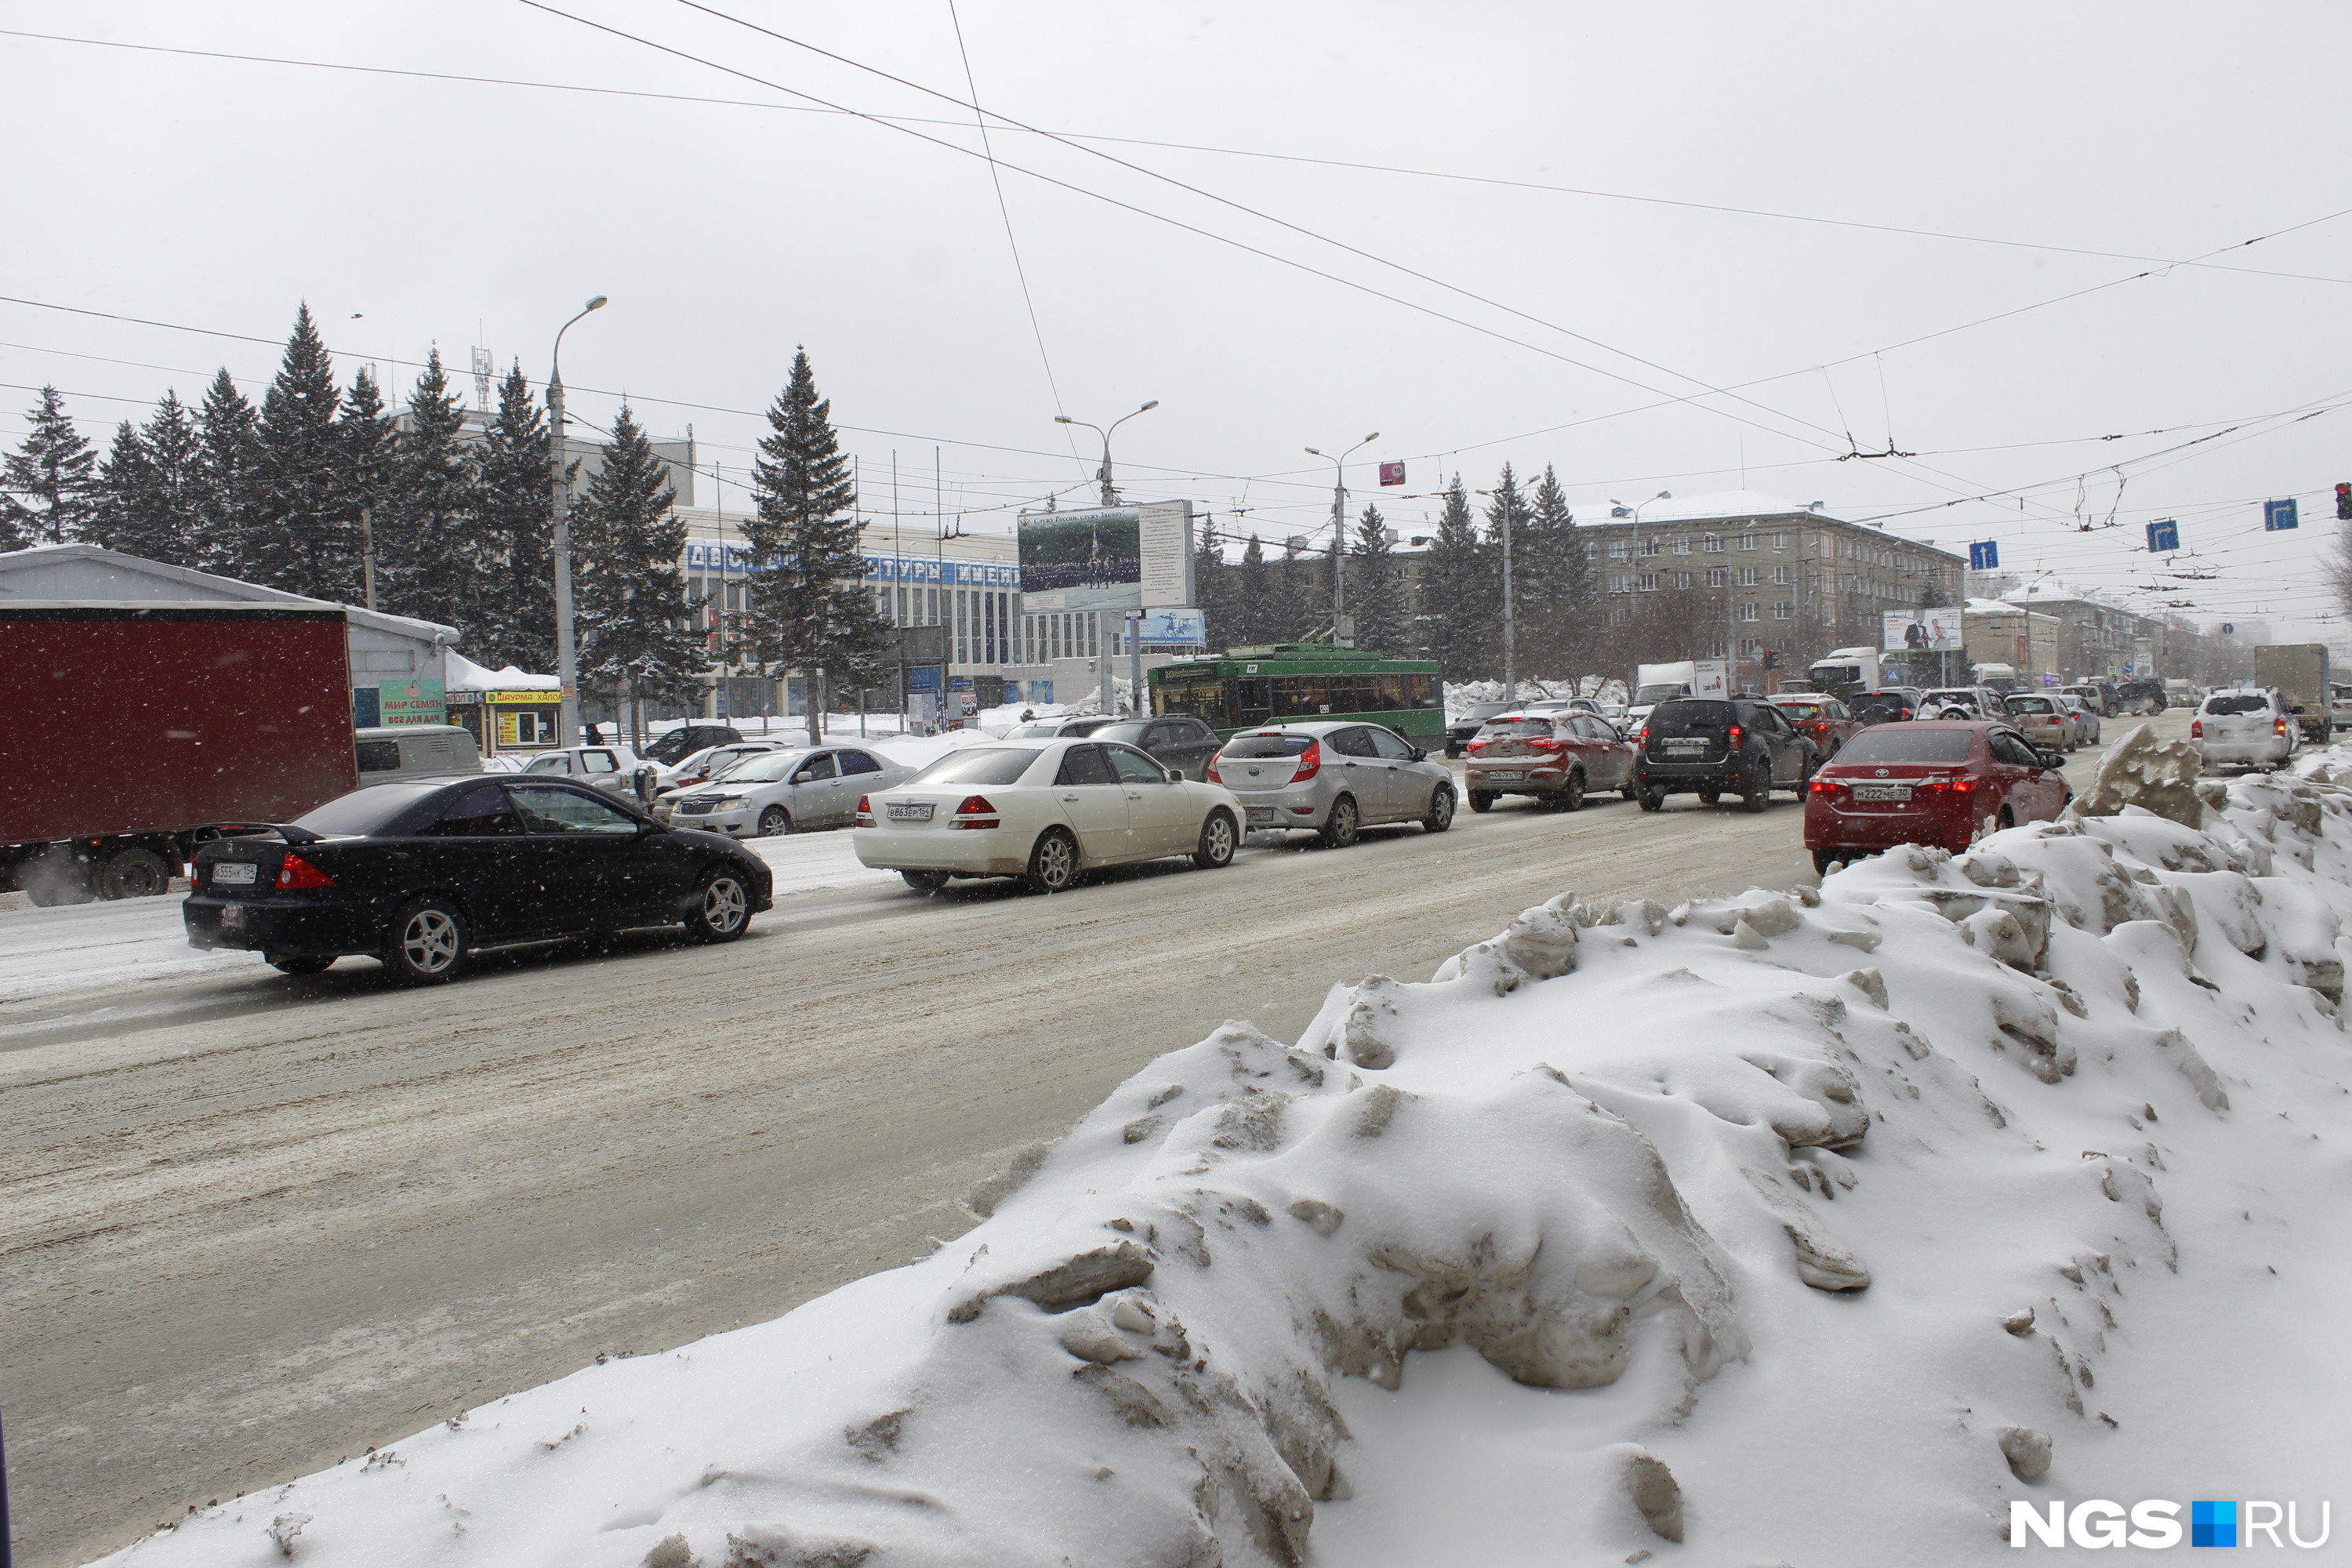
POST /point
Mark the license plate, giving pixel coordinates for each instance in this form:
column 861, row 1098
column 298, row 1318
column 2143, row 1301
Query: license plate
column 233, row 918
column 1882, row 792
column 1261, row 814
column 234, row 873
column 907, row 811
column 1696, row 745
column 1504, row 774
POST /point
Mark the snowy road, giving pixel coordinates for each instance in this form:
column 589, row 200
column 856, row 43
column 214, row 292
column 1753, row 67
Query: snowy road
column 250, row 1224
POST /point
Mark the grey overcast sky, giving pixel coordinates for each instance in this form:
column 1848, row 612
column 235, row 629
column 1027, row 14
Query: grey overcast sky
column 2078, row 184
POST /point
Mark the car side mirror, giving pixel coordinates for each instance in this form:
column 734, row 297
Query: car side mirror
column 2297, row 709
column 2052, row 758
column 1419, row 755
column 1174, row 777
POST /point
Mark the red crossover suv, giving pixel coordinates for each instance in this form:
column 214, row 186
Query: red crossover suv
column 1944, row 782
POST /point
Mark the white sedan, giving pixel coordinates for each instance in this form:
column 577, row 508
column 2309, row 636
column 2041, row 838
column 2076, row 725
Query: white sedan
column 787, row 791
column 1046, row 811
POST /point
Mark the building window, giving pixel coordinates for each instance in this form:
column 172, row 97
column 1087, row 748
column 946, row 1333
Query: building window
column 1747, row 608
column 1780, row 541
column 1779, row 576
column 1620, row 548
column 1712, row 544
column 1619, row 616
column 1591, row 551
column 1715, row 576
column 1746, row 542
column 1682, row 544
column 1650, row 546
column 1784, row 611
column 1647, row 582
column 1681, row 579
column 1620, row 583
column 1748, row 576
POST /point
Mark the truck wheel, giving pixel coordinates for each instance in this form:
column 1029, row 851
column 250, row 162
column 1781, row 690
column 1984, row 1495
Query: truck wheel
column 426, row 942
column 135, row 874
column 301, row 963
column 51, row 879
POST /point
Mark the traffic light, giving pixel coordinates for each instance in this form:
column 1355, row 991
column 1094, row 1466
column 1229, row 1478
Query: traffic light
column 1771, row 659
column 2344, row 502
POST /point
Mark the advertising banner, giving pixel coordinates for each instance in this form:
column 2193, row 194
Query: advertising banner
column 1173, row 628
column 411, row 702
column 1392, row 473
column 1106, row 558
column 1711, row 677
column 1921, row 631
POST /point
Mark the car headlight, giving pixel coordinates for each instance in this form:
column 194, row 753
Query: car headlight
column 730, row 802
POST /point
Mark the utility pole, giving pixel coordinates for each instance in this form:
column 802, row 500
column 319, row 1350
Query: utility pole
column 567, row 663
column 1109, row 494
column 1510, row 626
column 367, row 555
column 1339, row 532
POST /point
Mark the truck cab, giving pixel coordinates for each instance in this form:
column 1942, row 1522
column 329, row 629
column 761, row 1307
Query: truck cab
column 1846, row 672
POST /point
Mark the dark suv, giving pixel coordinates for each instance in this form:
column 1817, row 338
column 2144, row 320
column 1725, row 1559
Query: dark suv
column 1711, row 748
column 688, row 739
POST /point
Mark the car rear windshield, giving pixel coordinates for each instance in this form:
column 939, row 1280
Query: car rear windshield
column 1800, row 710
column 1691, row 717
column 1131, row 735
column 1267, row 745
column 2244, row 702
column 1660, row 693
column 1487, row 710
column 979, row 766
column 1516, row 730
column 1890, row 744
column 1878, row 703
column 2028, row 705
column 1033, row 733
column 365, row 811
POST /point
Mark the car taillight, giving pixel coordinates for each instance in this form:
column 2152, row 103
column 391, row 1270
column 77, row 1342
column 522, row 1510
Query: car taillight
column 1554, row 745
column 1477, row 746
column 865, row 811
column 1735, row 737
column 975, row 812
column 298, row 872
column 2197, row 728
column 2280, row 727
column 1826, row 786
column 1211, row 772
column 1310, row 763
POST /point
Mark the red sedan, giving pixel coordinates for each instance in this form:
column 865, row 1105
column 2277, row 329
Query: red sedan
column 1820, row 716
column 1944, row 782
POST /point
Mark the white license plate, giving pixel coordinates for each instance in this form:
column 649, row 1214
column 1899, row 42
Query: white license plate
column 1261, row 814
column 233, row 918
column 234, row 873
column 1882, row 792
column 1696, row 745
column 1504, row 773
column 906, row 811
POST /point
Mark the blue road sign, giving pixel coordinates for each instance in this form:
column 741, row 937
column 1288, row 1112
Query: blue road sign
column 2228, row 630
column 2164, row 535
column 1984, row 556
column 2278, row 514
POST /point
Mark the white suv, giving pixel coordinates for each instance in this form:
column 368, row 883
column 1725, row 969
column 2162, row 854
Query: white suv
column 2244, row 729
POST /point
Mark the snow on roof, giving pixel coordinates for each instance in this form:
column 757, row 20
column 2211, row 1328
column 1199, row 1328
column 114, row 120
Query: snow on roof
column 465, row 675
column 210, row 584
column 1692, row 508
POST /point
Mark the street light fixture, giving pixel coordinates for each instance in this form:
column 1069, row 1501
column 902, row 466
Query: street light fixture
column 567, row 664
column 1110, row 495
column 1339, row 530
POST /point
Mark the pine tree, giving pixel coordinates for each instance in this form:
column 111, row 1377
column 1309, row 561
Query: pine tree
column 1253, row 597
column 1290, row 609
column 516, row 618
column 1378, row 600
column 1461, row 610
column 810, row 609
column 48, row 487
column 367, row 444
column 307, row 539
column 228, row 479
column 1551, row 586
column 424, row 556
column 1507, row 506
column 1212, row 585
column 638, row 634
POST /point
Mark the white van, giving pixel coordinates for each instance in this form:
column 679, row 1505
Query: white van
column 396, row 752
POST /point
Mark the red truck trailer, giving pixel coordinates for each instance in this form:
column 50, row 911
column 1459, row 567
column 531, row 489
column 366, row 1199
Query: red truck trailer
column 124, row 726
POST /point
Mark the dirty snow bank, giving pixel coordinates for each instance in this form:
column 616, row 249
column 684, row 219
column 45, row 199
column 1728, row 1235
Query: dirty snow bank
column 1795, row 1228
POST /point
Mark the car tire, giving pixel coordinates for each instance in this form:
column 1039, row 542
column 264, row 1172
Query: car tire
column 1440, row 815
column 1826, row 861
column 301, row 962
column 1482, row 801
column 1341, row 823
column 1571, row 793
column 1709, row 796
column 1651, row 798
column 2007, row 819
column 1756, row 793
column 1053, row 863
column 135, row 874
column 426, row 942
column 1627, row 791
column 925, row 881
column 775, row 822
column 722, row 907
column 1453, row 751
column 1218, row 839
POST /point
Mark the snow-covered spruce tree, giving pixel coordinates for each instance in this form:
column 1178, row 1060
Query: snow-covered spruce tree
column 810, row 610
column 638, row 639
column 228, row 479
column 306, row 541
column 48, row 487
column 1253, row 599
column 1507, row 501
column 515, row 621
column 368, row 446
column 1551, row 585
column 1290, row 609
column 1459, row 609
column 1377, row 598
column 1212, row 585
column 425, row 563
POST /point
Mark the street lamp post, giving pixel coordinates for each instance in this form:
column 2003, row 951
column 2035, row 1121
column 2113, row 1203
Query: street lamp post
column 567, row 664
column 1109, row 495
column 1339, row 533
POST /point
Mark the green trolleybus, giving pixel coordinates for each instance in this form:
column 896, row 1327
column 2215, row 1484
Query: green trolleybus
column 1245, row 687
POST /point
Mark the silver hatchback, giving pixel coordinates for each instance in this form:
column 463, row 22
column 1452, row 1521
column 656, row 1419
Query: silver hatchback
column 1332, row 778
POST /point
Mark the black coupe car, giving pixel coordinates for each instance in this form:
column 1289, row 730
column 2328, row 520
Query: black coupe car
column 419, row 875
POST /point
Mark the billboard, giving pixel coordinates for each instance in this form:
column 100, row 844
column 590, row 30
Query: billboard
column 1167, row 628
column 1108, row 558
column 1921, row 631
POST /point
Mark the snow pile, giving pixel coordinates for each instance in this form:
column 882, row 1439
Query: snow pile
column 1461, row 696
column 1782, row 1227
